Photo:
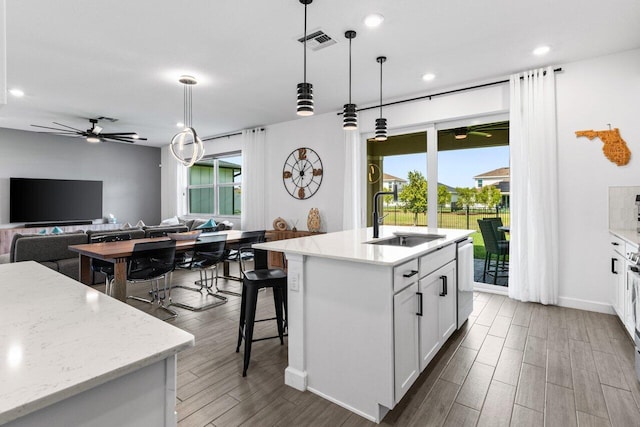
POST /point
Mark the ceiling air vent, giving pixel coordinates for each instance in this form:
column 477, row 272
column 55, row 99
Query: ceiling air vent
column 318, row 40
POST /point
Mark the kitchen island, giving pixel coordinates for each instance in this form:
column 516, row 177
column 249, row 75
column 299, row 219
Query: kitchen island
column 366, row 318
column 72, row 356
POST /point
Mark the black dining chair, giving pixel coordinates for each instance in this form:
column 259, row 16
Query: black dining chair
column 105, row 267
column 261, row 277
column 497, row 222
column 241, row 252
column 493, row 246
column 208, row 253
column 150, row 262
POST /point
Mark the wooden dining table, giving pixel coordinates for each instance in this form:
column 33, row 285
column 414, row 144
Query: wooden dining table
column 118, row 253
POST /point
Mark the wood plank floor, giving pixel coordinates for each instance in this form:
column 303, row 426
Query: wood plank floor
column 512, row 363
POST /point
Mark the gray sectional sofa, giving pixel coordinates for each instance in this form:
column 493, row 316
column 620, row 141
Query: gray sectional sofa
column 49, row 250
column 52, row 250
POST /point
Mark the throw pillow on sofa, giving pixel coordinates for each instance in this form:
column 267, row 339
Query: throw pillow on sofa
column 171, row 221
column 207, row 225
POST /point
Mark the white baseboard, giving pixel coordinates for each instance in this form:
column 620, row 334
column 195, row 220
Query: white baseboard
column 577, row 303
column 295, row 378
column 587, row 305
column 382, row 411
column 491, row 289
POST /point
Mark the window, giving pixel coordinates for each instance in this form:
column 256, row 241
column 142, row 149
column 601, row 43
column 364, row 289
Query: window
column 479, row 183
column 215, row 186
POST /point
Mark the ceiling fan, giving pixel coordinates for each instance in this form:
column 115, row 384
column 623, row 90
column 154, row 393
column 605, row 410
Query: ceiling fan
column 479, row 130
column 94, row 134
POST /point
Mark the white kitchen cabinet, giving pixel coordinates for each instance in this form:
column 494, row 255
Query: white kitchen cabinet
column 438, row 311
column 621, row 281
column 405, row 327
column 424, row 314
column 617, row 276
column 447, row 307
column 628, row 320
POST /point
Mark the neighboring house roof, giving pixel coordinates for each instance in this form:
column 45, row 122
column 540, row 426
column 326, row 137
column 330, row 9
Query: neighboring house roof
column 496, row 173
column 450, row 189
column 390, row 178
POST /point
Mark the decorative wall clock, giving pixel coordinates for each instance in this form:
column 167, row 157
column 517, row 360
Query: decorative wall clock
column 302, row 173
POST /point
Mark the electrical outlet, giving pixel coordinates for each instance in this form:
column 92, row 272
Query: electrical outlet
column 294, row 285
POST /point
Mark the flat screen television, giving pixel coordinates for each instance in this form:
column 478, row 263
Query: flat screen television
column 48, row 200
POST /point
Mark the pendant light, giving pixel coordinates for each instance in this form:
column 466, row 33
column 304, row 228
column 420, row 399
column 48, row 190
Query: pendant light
column 349, row 115
column 381, row 123
column 188, row 136
column 305, row 90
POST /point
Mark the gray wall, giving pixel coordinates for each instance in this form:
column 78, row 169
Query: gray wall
column 130, row 173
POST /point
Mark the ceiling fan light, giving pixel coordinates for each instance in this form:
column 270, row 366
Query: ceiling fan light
column 460, row 133
column 93, row 139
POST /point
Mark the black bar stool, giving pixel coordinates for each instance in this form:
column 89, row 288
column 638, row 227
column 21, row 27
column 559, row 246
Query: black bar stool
column 259, row 278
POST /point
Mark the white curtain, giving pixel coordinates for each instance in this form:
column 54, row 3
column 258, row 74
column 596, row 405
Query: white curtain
column 253, row 178
column 181, row 189
column 533, row 255
column 173, row 177
column 352, row 204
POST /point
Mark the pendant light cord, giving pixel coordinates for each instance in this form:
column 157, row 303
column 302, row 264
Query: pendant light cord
column 350, row 70
column 381, row 89
column 305, row 44
column 188, row 106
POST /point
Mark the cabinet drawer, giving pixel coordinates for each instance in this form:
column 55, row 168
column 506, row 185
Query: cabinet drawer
column 434, row 260
column 617, row 244
column 405, row 274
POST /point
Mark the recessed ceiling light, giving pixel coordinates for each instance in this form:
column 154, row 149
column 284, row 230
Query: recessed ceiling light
column 541, row 50
column 16, row 92
column 428, row 77
column 373, row 20
column 180, row 125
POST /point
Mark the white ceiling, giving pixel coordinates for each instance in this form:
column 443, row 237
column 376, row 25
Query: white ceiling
column 79, row 59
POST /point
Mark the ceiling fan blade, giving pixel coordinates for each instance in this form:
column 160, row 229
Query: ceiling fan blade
column 60, row 124
column 114, row 138
column 478, row 133
column 61, row 133
column 48, row 127
column 120, row 133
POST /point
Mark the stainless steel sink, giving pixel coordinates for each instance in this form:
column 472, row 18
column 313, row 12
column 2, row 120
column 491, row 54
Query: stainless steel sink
column 409, row 240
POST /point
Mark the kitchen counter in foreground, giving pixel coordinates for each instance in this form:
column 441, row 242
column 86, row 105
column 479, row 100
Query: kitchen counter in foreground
column 74, row 356
column 631, row 236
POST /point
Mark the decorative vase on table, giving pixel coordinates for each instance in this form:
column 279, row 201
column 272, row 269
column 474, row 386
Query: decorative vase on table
column 313, row 220
column 279, row 224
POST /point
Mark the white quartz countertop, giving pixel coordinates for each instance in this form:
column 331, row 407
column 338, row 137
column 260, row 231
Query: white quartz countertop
column 350, row 245
column 630, row 236
column 60, row 338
